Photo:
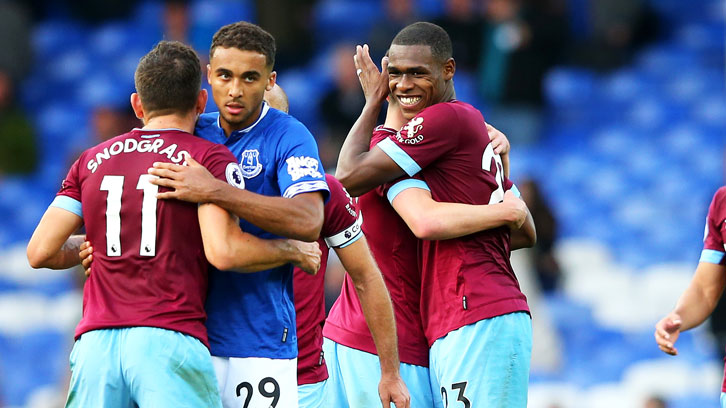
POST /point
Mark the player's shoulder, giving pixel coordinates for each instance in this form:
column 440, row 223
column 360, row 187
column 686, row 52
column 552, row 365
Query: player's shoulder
column 381, row 132
column 207, row 120
column 719, row 197
column 282, row 125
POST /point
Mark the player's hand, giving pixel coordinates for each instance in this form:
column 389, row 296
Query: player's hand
column 500, row 143
column 666, row 333
column 193, row 183
column 373, row 81
column 393, row 389
column 517, row 209
column 309, row 256
column 86, row 256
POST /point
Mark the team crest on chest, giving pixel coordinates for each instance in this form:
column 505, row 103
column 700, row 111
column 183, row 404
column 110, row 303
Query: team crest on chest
column 250, row 163
column 412, row 128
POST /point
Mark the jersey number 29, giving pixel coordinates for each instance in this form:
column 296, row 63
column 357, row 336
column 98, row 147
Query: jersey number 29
column 115, row 185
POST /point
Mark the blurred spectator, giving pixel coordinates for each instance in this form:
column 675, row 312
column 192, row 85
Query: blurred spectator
column 461, row 20
column 617, row 29
column 15, row 47
column 655, row 402
column 521, row 41
column 17, row 137
column 340, row 106
column 544, row 262
column 290, row 22
column 399, row 14
column 176, row 22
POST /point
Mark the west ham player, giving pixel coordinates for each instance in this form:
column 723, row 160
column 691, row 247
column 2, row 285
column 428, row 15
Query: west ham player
column 143, row 306
column 706, row 287
column 342, row 232
column 474, row 316
column 349, row 346
column 251, row 318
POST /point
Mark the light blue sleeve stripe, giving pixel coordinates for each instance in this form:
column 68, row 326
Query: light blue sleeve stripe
column 515, row 190
column 712, row 256
column 356, row 238
column 401, row 158
column 397, row 188
column 68, row 204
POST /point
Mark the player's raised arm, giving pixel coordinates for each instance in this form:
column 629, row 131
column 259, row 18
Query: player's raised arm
column 360, row 169
column 378, row 311
column 299, row 217
column 227, row 247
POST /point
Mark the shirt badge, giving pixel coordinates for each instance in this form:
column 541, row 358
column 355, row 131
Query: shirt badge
column 250, row 163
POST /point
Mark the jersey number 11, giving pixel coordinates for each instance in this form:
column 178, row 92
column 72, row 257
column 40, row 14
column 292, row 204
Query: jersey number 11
column 115, row 185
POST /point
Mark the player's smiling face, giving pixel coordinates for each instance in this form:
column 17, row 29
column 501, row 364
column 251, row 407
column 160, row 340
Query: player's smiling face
column 239, row 79
column 416, row 79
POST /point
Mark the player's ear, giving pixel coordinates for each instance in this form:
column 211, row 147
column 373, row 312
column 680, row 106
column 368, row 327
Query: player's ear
column 209, row 74
column 202, row 97
column 137, row 106
column 271, row 81
column 449, row 69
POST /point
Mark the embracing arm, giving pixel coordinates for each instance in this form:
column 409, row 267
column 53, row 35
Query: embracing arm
column 524, row 236
column 378, row 312
column 227, row 247
column 695, row 304
column 299, row 217
column 430, row 219
column 51, row 245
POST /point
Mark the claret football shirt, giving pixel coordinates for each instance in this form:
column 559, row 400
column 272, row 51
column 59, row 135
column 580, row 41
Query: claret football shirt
column 466, row 279
column 149, row 267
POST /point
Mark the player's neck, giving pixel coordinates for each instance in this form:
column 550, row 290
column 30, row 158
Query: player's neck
column 185, row 123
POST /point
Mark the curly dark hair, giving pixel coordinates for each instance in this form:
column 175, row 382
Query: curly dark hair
column 425, row 33
column 245, row 36
column 168, row 79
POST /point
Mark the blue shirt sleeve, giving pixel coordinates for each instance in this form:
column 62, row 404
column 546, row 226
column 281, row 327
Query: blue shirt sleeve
column 299, row 168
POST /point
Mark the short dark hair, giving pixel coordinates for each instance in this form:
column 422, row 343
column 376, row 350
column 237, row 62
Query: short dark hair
column 247, row 37
column 425, row 33
column 168, row 78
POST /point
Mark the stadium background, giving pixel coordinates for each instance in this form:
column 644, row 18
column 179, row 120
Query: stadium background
column 625, row 141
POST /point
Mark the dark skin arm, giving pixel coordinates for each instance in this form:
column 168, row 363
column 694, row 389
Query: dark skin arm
column 299, row 217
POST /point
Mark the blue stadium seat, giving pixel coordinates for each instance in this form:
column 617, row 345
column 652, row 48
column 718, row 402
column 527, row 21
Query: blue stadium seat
column 207, row 16
column 333, row 22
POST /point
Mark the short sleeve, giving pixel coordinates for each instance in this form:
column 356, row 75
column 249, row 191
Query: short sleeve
column 298, row 163
column 342, row 223
column 69, row 195
column 394, row 188
column 714, row 249
column 223, row 165
column 429, row 135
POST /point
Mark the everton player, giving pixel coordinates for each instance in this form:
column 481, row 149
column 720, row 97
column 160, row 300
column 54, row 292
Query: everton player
column 251, row 318
column 342, row 232
column 475, row 318
column 143, row 306
column 700, row 298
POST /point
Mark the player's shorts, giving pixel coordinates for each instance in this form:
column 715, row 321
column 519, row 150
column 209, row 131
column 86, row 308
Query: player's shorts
column 141, row 367
column 256, row 381
column 312, row 395
column 483, row 364
column 354, row 376
column 723, row 400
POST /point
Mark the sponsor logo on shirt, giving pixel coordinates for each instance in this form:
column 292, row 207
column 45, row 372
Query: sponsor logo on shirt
column 250, row 163
column 413, row 127
column 301, row 166
column 234, row 176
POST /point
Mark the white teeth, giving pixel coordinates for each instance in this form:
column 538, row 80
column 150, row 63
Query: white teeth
column 409, row 100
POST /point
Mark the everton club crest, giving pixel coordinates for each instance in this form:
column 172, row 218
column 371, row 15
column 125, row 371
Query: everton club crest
column 250, row 163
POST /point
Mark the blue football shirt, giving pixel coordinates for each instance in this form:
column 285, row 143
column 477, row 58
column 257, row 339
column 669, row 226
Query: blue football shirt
column 253, row 315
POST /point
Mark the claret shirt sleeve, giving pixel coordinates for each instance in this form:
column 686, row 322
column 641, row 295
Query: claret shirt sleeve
column 714, row 247
column 223, row 165
column 69, row 195
column 343, row 221
column 429, row 135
